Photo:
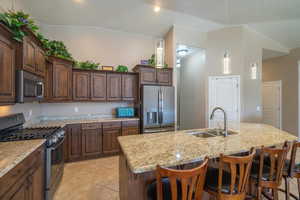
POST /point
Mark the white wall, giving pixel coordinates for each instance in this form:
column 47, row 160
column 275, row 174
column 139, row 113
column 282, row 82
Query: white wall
column 192, row 88
column 106, row 46
column 76, row 109
column 244, row 48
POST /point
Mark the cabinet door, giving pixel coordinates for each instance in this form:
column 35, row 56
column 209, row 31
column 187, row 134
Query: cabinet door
column 130, row 128
column 164, row 76
column 91, row 139
column 81, row 86
column 29, row 55
column 129, row 87
column 75, row 141
column 40, row 61
column 23, row 192
column 7, row 71
column 38, row 185
column 98, row 86
column 114, row 87
column 110, row 141
column 62, row 81
column 147, row 75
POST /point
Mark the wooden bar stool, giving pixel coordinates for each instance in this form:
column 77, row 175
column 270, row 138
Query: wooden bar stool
column 292, row 170
column 173, row 184
column 267, row 172
column 232, row 185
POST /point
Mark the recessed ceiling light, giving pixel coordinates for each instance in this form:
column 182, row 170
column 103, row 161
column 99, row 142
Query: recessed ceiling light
column 78, row 1
column 156, row 8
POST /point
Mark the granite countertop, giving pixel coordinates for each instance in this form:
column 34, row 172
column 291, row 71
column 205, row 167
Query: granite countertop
column 145, row 152
column 12, row 153
column 64, row 122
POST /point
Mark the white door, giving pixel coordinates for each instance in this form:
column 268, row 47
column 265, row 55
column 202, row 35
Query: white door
column 224, row 92
column 272, row 103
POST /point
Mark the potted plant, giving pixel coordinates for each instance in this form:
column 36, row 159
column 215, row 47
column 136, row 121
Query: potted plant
column 87, row 65
column 122, row 68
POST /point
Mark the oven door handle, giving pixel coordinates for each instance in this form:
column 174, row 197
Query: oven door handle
column 55, row 147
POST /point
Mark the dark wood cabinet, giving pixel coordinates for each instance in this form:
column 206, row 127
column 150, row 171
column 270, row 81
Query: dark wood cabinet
column 92, row 139
column 7, row 67
column 98, row 86
column 40, row 61
column 164, row 76
column 129, row 87
column 59, row 80
column 81, row 85
column 30, row 55
column 130, row 128
column 114, row 87
column 147, row 74
column 111, row 132
column 154, row 76
column 26, row 181
column 74, row 142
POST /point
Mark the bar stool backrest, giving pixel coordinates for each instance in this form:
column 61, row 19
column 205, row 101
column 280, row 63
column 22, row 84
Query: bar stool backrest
column 271, row 176
column 293, row 172
column 191, row 181
column 240, row 168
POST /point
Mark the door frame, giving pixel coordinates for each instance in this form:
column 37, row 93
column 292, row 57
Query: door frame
column 279, row 83
column 299, row 100
column 210, row 79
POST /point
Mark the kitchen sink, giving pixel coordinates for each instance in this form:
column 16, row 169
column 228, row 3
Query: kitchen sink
column 209, row 133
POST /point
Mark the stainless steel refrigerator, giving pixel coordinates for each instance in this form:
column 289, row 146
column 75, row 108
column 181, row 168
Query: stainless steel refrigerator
column 158, row 109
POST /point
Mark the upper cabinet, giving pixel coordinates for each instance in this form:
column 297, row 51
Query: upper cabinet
column 7, row 67
column 154, row 76
column 98, row 86
column 94, row 85
column 114, row 87
column 30, row 55
column 129, row 87
column 59, row 80
column 81, row 85
column 164, row 76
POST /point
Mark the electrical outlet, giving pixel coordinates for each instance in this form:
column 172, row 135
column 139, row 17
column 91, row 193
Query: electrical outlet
column 76, row 109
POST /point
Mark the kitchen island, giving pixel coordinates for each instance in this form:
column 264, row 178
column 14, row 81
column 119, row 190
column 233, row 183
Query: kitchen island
column 142, row 153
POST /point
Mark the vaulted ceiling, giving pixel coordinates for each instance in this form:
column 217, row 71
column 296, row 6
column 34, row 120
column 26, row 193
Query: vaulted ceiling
column 277, row 19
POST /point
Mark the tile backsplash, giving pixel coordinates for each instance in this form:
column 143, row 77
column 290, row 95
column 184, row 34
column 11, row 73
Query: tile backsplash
column 35, row 111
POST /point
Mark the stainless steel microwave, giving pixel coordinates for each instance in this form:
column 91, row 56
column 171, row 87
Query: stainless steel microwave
column 29, row 87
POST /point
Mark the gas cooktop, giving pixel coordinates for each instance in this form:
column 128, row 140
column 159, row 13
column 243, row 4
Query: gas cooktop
column 28, row 134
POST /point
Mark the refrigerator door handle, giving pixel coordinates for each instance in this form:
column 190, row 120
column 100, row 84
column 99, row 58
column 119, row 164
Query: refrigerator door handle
column 162, row 107
column 159, row 106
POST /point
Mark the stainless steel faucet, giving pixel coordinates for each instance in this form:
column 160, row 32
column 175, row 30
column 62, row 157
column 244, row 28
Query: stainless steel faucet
column 225, row 131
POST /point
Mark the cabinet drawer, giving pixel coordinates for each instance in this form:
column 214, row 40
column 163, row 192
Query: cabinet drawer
column 109, row 125
column 90, row 126
column 130, row 123
column 130, row 131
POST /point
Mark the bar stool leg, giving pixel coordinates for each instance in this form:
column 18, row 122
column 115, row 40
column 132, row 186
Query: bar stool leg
column 287, row 188
column 275, row 194
column 259, row 189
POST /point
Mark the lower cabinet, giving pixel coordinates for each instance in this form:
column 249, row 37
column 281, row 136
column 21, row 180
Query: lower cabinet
column 92, row 140
column 27, row 180
column 74, row 141
column 111, row 132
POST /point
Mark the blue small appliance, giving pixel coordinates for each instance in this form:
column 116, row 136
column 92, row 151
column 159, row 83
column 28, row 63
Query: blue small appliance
column 125, row 112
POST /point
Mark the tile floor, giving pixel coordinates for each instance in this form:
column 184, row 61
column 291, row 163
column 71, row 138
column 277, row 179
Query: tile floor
column 99, row 180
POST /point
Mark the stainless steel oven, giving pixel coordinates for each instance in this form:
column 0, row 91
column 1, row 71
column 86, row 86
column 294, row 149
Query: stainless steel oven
column 29, row 87
column 54, row 166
